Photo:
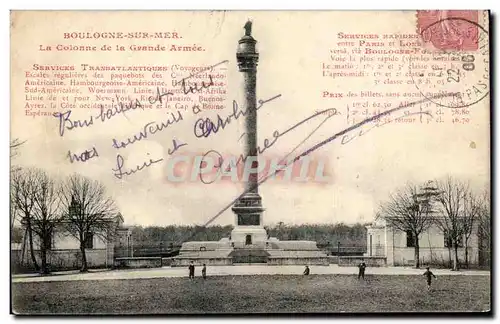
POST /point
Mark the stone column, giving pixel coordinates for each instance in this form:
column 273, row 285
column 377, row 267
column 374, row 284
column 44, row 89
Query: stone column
column 249, row 207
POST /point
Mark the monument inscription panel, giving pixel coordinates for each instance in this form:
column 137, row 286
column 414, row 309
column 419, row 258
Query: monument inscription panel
column 249, row 220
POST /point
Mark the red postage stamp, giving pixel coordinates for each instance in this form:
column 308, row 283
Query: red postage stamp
column 449, row 29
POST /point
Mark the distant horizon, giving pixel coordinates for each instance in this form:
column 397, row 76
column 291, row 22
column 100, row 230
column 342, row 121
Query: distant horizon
column 269, row 224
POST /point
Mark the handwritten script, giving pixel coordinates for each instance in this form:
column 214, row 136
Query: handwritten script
column 203, row 127
column 67, row 123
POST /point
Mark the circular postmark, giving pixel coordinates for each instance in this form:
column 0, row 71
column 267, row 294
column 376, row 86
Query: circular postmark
column 451, row 69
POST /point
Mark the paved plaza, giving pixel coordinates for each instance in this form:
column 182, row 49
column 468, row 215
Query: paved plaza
column 233, row 270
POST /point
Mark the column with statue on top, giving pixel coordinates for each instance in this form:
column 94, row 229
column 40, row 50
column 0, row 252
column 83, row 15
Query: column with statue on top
column 249, row 229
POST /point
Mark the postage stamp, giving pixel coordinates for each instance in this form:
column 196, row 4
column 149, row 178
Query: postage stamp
column 453, row 71
column 449, row 29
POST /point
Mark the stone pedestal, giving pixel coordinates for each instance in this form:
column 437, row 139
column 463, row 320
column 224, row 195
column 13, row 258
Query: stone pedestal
column 248, row 237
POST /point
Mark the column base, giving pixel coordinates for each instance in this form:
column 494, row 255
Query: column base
column 248, row 236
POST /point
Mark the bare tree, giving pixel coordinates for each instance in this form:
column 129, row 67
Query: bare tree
column 88, row 211
column 23, row 191
column 452, row 200
column 14, row 146
column 13, row 211
column 409, row 210
column 470, row 218
column 484, row 224
column 46, row 214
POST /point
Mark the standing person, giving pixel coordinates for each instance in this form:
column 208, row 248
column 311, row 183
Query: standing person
column 191, row 270
column 306, row 271
column 428, row 274
column 204, row 271
column 362, row 267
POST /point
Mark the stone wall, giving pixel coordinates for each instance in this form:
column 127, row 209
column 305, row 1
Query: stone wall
column 67, row 259
column 184, row 262
column 297, row 245
column 432, row 256
column 139, row 262
column 354, row 261
column 205, row 245
column 297, row 261
column 333, row 259
column 166, row 262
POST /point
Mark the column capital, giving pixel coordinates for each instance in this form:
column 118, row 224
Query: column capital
column 247, row 62
column 246, row 54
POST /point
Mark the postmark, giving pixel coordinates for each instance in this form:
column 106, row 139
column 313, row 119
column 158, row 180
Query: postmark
column 459, row 69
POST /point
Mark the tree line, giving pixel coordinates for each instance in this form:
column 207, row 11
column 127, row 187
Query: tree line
column 450, row 204
column 323, row 234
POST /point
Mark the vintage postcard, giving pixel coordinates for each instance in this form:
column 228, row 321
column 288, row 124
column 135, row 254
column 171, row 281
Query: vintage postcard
column 250, row 162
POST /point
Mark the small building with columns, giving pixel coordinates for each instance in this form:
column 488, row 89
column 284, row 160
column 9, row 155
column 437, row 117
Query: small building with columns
column 64, row 253
column 398, row 247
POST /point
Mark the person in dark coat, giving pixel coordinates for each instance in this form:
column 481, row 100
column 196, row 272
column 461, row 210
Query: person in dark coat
column 204, row 271
column 191, row 270
column 428, row 274
column 362, row 267
column 306, row 271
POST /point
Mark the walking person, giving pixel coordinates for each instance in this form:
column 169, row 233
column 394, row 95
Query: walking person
column 428, row 274
column 191, row 270
column 204, row 271
column 362, row 267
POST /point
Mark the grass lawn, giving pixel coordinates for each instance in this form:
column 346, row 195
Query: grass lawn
column 254, row 294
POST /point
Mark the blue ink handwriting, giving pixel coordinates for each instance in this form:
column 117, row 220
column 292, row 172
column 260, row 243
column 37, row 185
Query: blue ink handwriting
column 176, row 146
column 84, row 156
column 65, row 123
column 119, row 172
column 149, row 129
column 203, row 127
